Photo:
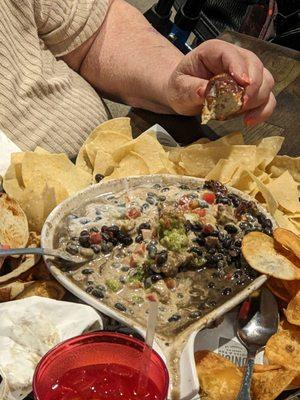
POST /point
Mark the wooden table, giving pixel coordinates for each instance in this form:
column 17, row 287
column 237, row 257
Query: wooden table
column 284, row 64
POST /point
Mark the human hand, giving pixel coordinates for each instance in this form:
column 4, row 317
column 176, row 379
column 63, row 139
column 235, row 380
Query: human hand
column 187, row 84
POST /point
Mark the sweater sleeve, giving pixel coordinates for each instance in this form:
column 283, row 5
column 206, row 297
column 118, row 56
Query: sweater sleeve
column 63, row 25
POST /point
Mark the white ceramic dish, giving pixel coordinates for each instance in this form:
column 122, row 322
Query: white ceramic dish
column 181, row 349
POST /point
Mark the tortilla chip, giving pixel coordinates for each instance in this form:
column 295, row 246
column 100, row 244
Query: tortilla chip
column 40, row 150
column 280, row 164
column 288, row 239
column 283, row 348
column 219, row 378
column 268, row 385
column 148, row 147
column 50, row 289
column 285, row 191
column 285, row 222
column 267, row 149
column 119, row 125
column 223, row 171
column 292, row 312
column 83, row 161
column 133, row 164
column 267, row 194
column 11, row 290
column 14, row 225
column 234, row 138
column 169, row 166
column 104, row 163
column 260, row 253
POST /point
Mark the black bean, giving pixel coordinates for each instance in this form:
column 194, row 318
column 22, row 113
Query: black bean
column 215, row 186
column 200, row 241
column 72, row 248
column 156, row 186
column 126, row 240
column 84, row 241
column 85, row 221
column 226, row 292
column 261, row 218
column 105, row 236
column 152, row 250
column 156, row 278
column 114, row 229
column 195, row 315
column 235, row 199
column 106, row 247
column 161, row 258
column 99, row 177
column 187, row 226
column 211, row 285
column 203, row 204
column 223, row 200
column 97, row 293
column 230, row 228
column 98, row 218
column 87, row 271
column 101, row 287
column 150, row 200
column 84, row 233
column 122, row 279
column 139, row 239
column 120, row 307
column 162, row 198
column 90, row 283
column 245, row 225
column 196, row 227
column 144, row 207
column 125, row 268
column 113, row 241
column 212, row 303
column 193, row 195
column 143, row 225
column 110, row 197
column 147, row 282
column 196, row 250
column 268, row 231
column 165, row 189
column 201, row 306
column 96, row 248
column 238, row 243
column 89, row 289
column 174, row 318
column 237, row 274
column 94, row 229
column 227, row 243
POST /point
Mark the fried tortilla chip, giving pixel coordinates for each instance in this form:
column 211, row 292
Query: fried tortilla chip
column 288, row 239
column 292, row 312
column 13, row 223
column 219, row 378
column 50, row 289
column 259, row 251
column 11, row 290
column 283, row 348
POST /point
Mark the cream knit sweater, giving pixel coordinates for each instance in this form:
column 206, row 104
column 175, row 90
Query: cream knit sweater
column 42, row 101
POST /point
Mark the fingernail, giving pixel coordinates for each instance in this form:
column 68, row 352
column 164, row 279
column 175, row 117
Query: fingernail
column 250, row 122
column 245, row 78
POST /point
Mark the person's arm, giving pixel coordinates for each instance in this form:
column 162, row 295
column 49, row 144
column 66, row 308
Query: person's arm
column 127, row 60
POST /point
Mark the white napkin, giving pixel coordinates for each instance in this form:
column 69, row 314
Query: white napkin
column 6, row 148
column 29, row 328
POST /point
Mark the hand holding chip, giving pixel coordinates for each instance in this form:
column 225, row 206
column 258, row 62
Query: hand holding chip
column 187, row 84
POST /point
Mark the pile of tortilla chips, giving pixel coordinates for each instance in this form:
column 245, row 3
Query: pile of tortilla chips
column 254, row 169
column 39, row 181
column 220, row 378
column 26, row 275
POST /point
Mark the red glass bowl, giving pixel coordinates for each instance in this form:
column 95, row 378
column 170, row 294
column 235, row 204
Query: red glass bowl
column 93, row 349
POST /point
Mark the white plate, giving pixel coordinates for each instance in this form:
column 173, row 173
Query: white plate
column 189, row 386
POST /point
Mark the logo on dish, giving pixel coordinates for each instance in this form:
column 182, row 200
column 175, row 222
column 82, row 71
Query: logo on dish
column 232, row 350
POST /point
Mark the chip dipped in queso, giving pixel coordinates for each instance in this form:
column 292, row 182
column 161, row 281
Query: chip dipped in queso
column 177, row 244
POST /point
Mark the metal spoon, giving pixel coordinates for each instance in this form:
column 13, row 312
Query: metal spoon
column 58, row 254
column 257, row 321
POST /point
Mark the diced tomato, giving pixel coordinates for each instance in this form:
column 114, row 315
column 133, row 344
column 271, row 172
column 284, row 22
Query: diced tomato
column 95, row 238
column 210, row 198
column 152, row 297
column 207, row 229
column 133, row 213
column 200, row 212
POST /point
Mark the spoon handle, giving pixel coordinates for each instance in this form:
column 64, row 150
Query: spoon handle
column 244, row 393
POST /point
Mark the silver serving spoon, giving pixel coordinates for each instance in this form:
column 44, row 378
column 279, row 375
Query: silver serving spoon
column 58, row 254
column 257, row 321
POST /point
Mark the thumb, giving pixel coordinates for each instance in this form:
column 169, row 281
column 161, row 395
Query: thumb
column 190, row 93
